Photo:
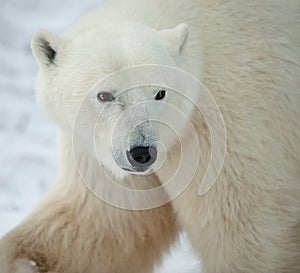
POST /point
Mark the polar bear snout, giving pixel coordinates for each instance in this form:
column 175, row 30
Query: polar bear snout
column 141, row 158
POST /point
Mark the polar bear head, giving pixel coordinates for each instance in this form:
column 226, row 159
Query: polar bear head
column 71, row 65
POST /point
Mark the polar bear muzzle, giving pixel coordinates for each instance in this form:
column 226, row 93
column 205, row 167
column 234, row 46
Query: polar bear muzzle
column 141, row 158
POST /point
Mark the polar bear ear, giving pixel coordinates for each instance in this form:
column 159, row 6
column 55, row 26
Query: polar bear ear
column 45, row 47
column 176, row 38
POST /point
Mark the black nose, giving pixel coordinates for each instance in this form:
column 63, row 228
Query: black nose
column 142, row 157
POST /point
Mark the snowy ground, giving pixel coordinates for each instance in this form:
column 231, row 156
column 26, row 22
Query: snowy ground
column 27, row 137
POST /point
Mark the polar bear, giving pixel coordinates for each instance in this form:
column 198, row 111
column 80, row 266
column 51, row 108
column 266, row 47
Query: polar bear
column 246, row 53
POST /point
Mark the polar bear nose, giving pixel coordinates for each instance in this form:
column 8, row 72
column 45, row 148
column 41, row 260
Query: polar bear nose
column 142, row 157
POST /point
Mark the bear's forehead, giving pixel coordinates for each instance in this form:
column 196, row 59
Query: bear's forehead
column 113, row 53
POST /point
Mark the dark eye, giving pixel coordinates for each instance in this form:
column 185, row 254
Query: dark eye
column 160, row 95
column 105, row 96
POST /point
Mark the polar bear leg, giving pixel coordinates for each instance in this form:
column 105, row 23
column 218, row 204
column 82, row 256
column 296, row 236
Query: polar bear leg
column 134, row 242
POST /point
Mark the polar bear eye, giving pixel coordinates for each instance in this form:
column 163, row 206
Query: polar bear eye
column 105, row 96
column 160, row 95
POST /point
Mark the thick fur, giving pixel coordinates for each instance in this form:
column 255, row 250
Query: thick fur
column 250, row 220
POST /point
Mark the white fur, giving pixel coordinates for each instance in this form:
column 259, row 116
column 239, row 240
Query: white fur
column 250, row 220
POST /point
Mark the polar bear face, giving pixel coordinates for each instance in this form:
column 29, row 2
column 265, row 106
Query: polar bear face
column 70, row 66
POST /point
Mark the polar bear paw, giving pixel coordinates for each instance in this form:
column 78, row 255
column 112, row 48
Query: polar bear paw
column 27, row 266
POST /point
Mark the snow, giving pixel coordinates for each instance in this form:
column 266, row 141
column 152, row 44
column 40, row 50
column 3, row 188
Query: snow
column 27, row 136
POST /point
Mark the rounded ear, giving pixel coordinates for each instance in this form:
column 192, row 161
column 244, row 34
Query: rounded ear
column 45, row 46
column 176, row 38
